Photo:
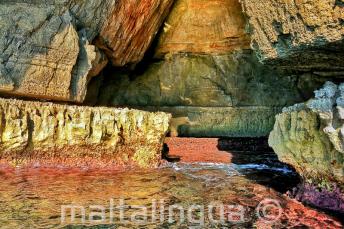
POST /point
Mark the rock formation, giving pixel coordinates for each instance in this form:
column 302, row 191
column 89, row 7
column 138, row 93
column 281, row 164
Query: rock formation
column 46, row 47
column 301, row 34
column 130, row 29
column 224, row 95
column 34, row 132
column 310, row 137
column 204, row 73
column 198, row 26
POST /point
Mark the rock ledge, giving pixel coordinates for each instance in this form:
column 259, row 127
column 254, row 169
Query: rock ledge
column 34, row 132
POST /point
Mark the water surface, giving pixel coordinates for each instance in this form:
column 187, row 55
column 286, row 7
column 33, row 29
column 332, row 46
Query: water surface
column 32, row 198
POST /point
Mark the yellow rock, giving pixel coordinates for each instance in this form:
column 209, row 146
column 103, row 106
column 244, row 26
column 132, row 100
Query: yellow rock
column 32, row 131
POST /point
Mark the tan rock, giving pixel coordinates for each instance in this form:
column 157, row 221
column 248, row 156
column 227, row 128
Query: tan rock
column 207, row 76
column 302, row 33
column 203, row 26
column 309, row 136
column 222, row 95
column 47, row 47
column 33, row 131
column 43, row 48
column 49, row 74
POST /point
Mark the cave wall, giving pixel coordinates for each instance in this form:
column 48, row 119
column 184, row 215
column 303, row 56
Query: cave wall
column 203, row 71
column 203, row 63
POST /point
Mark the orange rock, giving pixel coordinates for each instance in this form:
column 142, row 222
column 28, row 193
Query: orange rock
column 202, row 26
column 130, row 29
column 191, row 150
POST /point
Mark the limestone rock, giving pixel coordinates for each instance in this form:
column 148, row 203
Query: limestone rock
column 310, row 137
column 222, row 95
column 299, row 34
column 205, row 74
column 43, row 47
column 252, row 121
column 230, row 80
column 201, row 26
column 47, row 47
column 131, row 28
column 34, row 131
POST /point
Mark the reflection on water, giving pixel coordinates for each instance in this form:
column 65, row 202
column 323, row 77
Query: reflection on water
column 33, row 198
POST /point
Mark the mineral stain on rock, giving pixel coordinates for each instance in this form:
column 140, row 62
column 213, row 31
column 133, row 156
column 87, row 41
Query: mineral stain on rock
column 52, row 49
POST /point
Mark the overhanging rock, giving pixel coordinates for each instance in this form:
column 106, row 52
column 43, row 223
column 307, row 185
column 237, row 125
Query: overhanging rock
column 48, row 50
column 299, row 34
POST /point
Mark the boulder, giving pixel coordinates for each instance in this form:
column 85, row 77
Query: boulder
column 309, row 136
column 299, row 34
column 33, row 132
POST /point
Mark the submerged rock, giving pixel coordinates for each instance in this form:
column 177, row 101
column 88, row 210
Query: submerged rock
column 299, row 34
column 310, row 137
column 32, row 132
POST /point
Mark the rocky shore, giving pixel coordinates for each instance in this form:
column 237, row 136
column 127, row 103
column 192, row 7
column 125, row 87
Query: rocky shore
column 309, row 136
column 35, row 133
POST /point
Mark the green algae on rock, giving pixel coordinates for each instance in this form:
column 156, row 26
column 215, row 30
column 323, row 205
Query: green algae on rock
column 35, row 131
column 229, row 95
column 309, row 136
column 203, row 71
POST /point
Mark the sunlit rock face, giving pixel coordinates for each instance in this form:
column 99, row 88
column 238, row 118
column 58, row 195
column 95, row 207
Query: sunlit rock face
column 205, row 74
column 203, row 26
column 299, row 34
column 309, row 136
column 32, row 133
column 47, row 48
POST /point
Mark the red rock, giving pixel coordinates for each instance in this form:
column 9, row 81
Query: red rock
column 197, row 150
column 131, row 28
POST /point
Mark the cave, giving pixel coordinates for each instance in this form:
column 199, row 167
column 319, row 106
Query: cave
column 184, row 101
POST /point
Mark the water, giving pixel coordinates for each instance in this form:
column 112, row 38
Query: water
column 32, row 198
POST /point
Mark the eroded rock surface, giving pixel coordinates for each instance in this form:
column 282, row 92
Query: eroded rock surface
column 206, row 75
column 232, row 80
column 31, row 132
column 209, row 95
column 131, row 28
column 203, row 26
column 46, row 48
column 300, row 34
column 309, row 136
